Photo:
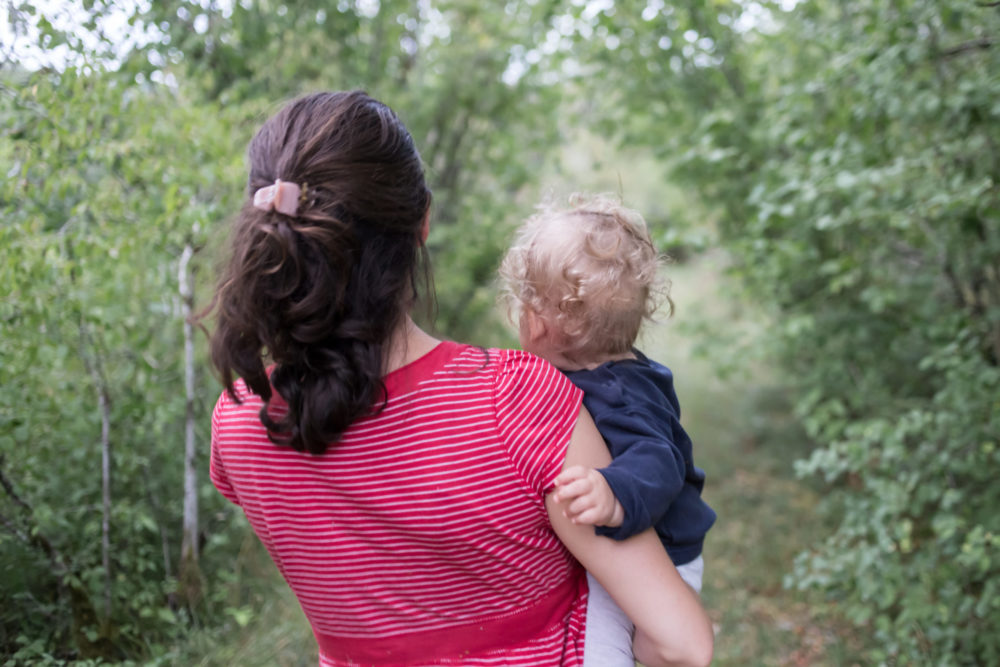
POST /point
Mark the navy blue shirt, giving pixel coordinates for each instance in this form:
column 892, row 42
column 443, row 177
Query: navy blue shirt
column 652, row 473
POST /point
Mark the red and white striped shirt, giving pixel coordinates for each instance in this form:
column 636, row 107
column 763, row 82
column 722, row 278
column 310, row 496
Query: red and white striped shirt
column 421, row 536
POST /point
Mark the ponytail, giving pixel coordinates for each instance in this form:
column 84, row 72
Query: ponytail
column 317, row 295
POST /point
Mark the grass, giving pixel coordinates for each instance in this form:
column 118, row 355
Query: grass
column 744, row 439
column 265, row 626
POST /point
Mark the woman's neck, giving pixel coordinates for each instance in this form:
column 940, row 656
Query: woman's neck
column 407, row 344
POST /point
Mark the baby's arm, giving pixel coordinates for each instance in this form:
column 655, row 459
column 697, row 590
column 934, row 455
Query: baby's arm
column 635, row 489
column 647, row 471
column 671, row 626
column 645, row 476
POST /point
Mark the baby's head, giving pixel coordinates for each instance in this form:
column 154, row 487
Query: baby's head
column 582, row 280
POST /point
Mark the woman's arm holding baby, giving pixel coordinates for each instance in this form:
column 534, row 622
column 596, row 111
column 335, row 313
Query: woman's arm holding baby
column 672, row 628
column 632, row 492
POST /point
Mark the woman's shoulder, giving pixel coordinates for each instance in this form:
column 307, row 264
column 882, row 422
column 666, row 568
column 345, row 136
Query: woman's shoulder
column 523, row 377
column 511, row 372
column 495, row 360
column 241, row 396
column 518, row 361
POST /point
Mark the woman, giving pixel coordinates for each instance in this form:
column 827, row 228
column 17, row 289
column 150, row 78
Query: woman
column 402, row 484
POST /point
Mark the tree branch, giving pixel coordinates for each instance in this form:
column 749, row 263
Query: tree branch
column 9, row 487
column 14, row 530
column 32, row 538
column 981, row 44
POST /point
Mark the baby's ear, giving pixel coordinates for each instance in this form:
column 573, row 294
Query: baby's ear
column 537, row 326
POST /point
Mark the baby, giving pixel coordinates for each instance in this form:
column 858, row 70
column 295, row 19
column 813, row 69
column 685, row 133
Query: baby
column 583, row 279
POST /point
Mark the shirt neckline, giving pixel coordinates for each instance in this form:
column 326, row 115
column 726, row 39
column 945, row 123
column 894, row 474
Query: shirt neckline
column 418, row 366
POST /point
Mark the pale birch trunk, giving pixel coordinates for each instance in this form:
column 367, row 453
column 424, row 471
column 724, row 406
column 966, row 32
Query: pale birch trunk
column 189, row 573
column 189, row 542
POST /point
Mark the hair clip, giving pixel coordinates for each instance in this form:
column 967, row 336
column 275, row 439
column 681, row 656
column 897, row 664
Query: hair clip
column 282, row 197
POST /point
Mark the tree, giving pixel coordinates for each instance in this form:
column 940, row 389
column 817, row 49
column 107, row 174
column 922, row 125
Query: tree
column 95, row 220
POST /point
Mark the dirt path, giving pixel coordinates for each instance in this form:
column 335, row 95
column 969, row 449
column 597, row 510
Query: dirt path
column 746, row 442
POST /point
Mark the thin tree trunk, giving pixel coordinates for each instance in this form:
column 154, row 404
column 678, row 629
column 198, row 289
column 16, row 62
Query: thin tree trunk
column 190, row 576
column 92, row 360
column 84, row 614
column 105, row 407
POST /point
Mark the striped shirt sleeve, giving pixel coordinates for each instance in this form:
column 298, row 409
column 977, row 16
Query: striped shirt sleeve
column 216, row 469
column 537, row 408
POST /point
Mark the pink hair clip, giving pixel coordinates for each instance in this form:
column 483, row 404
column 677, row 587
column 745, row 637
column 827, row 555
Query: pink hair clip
column 283, row 197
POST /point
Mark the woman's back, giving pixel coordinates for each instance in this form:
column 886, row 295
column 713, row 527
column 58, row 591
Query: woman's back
column 420, row 533
column 421, row 536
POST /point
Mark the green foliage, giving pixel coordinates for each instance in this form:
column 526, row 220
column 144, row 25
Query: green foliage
column 440, row 66
column 95, row 219
column 850, row 148
column 845, row 153
column 113, row 166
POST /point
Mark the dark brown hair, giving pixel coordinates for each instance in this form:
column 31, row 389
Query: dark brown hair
column 319, row 294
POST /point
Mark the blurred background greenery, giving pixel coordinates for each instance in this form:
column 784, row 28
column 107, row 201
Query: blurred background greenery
column 823, row 172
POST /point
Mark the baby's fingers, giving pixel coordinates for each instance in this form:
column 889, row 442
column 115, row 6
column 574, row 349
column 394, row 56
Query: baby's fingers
column 582, row 505
column 571, row 474
column 572, row 491
column 591, row 517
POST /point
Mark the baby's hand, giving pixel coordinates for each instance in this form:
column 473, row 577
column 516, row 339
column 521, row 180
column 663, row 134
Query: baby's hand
column 588, row 498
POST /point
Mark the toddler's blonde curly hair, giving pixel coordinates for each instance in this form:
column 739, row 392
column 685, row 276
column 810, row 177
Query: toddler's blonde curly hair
column 590, row 270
